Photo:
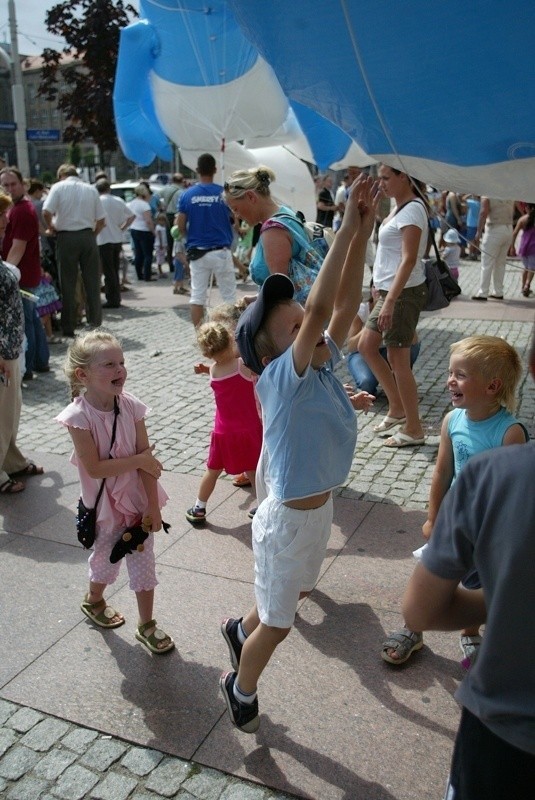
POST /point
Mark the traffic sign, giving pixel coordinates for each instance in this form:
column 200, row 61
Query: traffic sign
column 43, row 134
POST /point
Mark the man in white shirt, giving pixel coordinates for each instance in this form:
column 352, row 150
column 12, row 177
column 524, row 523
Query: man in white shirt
column 74, row 212
column 110, row 240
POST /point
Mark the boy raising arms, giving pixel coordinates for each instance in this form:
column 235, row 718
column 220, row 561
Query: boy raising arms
column 309, row 439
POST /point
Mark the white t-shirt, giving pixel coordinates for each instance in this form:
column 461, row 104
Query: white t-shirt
column 138, row 207
column 388, row 255
column 117, row 213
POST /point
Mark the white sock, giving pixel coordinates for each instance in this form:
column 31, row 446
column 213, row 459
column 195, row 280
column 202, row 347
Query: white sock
column 242, row 697
column 199, row 503
column 242, row 636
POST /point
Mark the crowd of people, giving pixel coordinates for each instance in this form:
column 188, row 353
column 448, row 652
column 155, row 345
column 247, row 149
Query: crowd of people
column 276, row 393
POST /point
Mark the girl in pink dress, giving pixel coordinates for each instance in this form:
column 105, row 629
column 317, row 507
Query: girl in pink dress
column 236, row 440
column 96, row 373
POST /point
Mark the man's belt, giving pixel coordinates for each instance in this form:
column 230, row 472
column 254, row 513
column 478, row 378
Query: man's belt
column 193, row 253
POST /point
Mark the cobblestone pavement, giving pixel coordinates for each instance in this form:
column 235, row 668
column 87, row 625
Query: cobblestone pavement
column 48, row 758
column 160, row 352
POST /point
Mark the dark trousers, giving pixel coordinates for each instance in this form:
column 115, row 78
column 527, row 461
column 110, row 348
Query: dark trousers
column 485, row 767
column 109, row 259
column 170, row 223
column 37, row 353
column 143, row 242
column 77, row 251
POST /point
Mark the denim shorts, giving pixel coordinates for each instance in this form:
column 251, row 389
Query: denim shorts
column 289, row 547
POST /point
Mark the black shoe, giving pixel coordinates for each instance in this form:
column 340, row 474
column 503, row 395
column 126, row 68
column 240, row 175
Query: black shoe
column 110, row 305
column 252, row 512
column 479, row 297
column 497, row 296
column 28, row 376
column 229, row 629
column 243, row 715
column 42, row 369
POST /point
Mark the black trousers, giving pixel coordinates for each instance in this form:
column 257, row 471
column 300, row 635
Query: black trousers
column 109, row 259
column 485, row 767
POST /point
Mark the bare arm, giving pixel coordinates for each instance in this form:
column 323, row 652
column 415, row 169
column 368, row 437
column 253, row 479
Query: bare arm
column 87, row 452
column 433, row 603
column 277, row 244
column 99, row 224
column 349, row 292
column 182, row 222
column 514, row 435
column 410, row 242
column 321, row 300
column 149, row 481
column 353, row 335
column 126, row 224
column 442, row 477
column 147, row 216
column 16, row 251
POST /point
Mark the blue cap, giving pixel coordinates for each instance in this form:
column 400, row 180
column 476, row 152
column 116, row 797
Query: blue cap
column 276, row 287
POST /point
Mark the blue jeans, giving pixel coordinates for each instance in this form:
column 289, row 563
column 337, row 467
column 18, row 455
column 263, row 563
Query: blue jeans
column 37, row 354
column 143, row 242
column 362, row 375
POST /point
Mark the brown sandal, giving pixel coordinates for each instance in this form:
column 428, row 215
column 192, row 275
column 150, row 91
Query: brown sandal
column 104, row 617
column 11, row 487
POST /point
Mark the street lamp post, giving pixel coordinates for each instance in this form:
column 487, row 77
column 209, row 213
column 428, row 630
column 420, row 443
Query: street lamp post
column 19, row 110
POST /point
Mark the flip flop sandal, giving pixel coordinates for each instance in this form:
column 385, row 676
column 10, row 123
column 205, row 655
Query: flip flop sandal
column 241, row 481
column 404, row 642
column 400, row 439
column 11, row 487
column 157, row 636
column 389, row 422
column 104, row 617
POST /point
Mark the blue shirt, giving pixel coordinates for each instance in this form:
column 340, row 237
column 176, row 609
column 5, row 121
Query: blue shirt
column 310, row 427
column 208, row 216
column 469, row 437
column 258, row 267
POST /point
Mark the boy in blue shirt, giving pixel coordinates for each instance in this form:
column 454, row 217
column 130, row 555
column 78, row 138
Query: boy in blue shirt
column 309, row 440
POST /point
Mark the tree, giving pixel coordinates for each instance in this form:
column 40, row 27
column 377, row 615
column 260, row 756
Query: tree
column 80, row 77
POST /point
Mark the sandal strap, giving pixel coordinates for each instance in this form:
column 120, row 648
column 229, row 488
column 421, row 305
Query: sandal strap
column 401, row 637
column 145, row 625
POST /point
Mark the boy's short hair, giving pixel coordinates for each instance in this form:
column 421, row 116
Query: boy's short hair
column 276, row 288
column 493, row 357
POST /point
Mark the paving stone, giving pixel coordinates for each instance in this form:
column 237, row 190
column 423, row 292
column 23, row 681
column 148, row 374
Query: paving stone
column 75, row 783
column 244, row 791
column 17, row 762
column 113, row 787
column 102, row 754
column 54, row 763
column 79, row 739
column 141, row 761
column 168, row 776
column 24, row 719
column 3, row 785
column 6, row 711
column 29, row 788
column 45, row 734
column 206, row 784
column 7, row 739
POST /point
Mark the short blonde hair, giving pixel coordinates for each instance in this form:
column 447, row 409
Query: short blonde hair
column 5, row 202
column 214, row 338
column 493, row 357
column 246, row 180
column 81, row 353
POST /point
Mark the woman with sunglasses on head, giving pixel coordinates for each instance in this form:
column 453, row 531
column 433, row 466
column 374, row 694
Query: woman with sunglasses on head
column 248, row 195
